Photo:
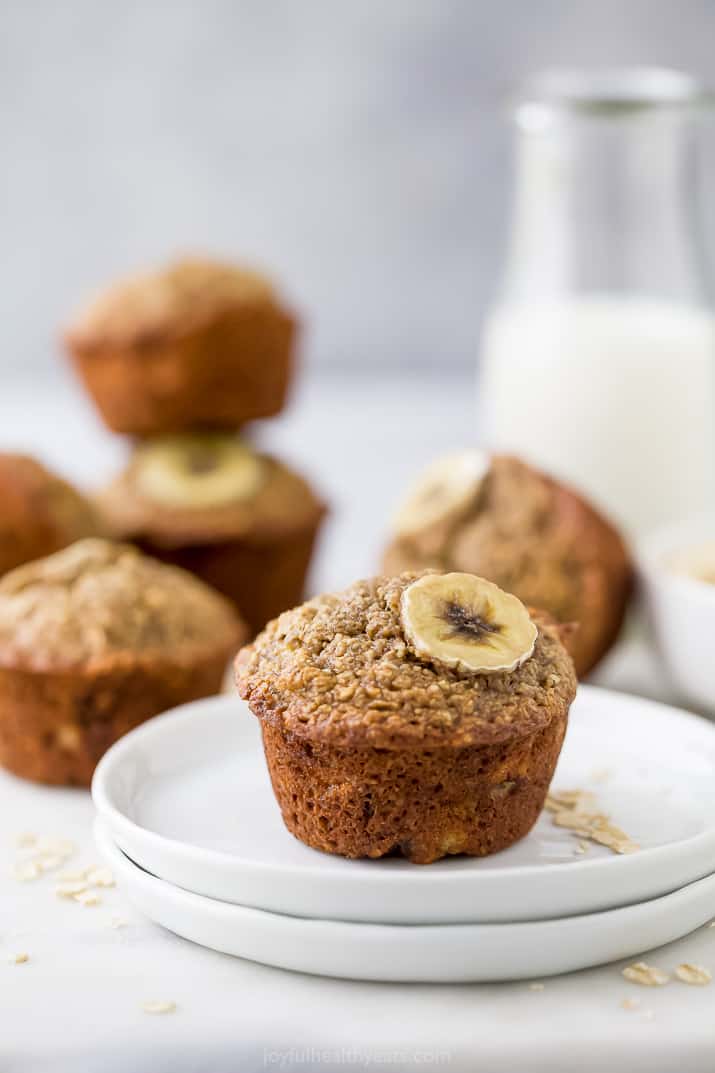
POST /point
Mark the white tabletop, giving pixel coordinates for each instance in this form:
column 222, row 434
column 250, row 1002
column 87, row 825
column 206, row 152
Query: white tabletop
column 76, row 1004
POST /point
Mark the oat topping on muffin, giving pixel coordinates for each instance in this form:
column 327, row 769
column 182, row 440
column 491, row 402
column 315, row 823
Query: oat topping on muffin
column 96, row 602
column 376, row 745
column 340, row 668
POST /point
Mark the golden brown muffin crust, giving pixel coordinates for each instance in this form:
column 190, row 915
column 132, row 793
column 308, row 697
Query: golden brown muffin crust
column 97, row 605
column 284, row 504
column 167, row 303
column 339, row 670
column 41, row 513
column 540, row 540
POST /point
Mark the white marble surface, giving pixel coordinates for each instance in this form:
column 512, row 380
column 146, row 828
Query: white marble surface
column 77, row 1003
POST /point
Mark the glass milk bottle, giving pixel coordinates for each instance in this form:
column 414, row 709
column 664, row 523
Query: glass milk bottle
column 598, row 358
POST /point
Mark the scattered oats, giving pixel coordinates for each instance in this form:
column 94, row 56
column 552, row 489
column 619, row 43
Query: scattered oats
column 711, row 924
column 18, row 959
column 100, row 877
column 25, row 840
column 118, row 922
column 627, row 847
column 23, row 871
column 61, row 847
column 573, row 809
column 70, row 890
column 630, row 1003
column 613, row 838
column 87, row 897
column 536, row 987
column 582, row 847
column 693, row 974
column 581, row 822
column 646, row 975
column 159, row 1007
column 569, row 799
column 49, row 863
column 74, row 876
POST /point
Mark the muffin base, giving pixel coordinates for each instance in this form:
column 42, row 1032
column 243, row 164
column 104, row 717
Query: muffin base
column 55, row 727
column 218, row 376
column 422, row 803
column 261, row 579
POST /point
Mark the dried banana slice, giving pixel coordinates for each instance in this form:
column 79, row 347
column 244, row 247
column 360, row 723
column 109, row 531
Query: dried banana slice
column 197, row 471
column 446, row 488
column 463, row 621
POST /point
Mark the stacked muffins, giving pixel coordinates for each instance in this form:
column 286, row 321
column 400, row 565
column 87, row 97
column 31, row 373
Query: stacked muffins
column 181, row 359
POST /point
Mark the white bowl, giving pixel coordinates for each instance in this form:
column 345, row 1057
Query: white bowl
column 681, row 610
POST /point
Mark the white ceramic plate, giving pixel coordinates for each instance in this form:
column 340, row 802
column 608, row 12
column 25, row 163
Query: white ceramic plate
column 452, row 953
column 187, row 796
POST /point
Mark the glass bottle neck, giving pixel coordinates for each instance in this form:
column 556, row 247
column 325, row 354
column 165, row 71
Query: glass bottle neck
column 605, row 205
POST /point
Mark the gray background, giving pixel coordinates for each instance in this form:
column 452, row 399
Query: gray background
column 357, row 149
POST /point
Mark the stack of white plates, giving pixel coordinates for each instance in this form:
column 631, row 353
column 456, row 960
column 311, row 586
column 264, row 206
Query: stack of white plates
column 188, row 822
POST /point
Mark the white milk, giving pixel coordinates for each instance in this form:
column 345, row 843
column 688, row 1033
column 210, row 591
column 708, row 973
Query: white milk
column 614, row 395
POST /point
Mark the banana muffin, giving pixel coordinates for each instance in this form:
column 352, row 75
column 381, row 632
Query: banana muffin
column 93, row 641
column 243, row 522
column 199, row 343
column 420, row 714
column 499, row 517
column 40, row 512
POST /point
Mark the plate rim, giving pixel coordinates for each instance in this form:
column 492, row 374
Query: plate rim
column 212, row 858
column 232, row 909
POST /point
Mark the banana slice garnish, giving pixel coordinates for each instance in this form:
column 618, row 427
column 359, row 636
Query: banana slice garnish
column 445, row 489
column 197, row 471
column 464, row 621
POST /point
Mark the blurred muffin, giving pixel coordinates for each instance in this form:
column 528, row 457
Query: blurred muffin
column 93, row 641
column 243, row 522
column 417, row 714
column 533, row 536
column 40, row 512
column 199, row 343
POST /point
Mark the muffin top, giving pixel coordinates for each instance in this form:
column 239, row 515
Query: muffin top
column 206, row 488
column 98, row 604
column 532, row 535
column 343, row 669
column 155, row 305
column 41, row 513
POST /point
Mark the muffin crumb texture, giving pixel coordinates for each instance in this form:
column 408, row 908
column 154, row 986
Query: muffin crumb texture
column 533, row 537
column 93, row 641
column 254, row 547
column 372, row 750
column 41, row 513
column 197, row 344
column 96, row 602
column 339, row 668
column 148, row 304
